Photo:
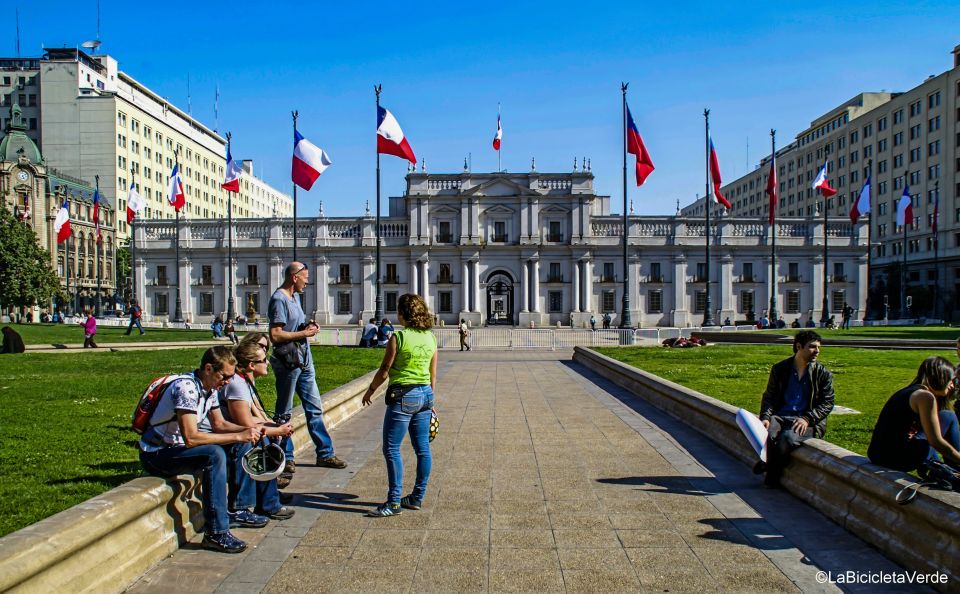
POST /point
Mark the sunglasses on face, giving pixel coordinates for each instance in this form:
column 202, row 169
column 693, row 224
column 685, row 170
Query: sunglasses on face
column 299, row 270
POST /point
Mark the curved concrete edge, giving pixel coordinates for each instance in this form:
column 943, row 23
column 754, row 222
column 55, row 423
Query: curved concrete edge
column 923, row 535
column 106, row 543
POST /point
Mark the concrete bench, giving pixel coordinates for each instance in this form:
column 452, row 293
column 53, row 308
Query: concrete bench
column 105, row 543
column 923, row 535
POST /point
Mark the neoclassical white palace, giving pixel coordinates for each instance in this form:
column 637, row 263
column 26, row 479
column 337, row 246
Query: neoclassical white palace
column 506, row 248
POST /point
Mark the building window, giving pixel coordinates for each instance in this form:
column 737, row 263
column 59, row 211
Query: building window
column 793, row 272
column 206, row 303
column 555, row 301
column 391, row 301
column 608, row 274
column 252, row 277
column 746, row 302
column 554, row 234
column 444, row 235
column 699, row 301
column 206, row 275
column 446, row 301
column 344, row 278
column 838, row 275
column 500, row 231
column 392, row 275
column 162, row 276
column 655, row 274
column 160, row 304
column 839, row 298
column 793, row 301
column 608, row 301
column 655, row 301
column 344, row 302
column 444, row 276
column 554, row 276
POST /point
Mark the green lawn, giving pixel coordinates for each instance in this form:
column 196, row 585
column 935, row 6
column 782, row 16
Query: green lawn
column 863, row 378
column 64, row 420
column 890, row 332
column 73, row 333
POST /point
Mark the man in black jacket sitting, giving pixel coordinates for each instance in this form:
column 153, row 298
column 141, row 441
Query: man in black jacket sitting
column 796, row 403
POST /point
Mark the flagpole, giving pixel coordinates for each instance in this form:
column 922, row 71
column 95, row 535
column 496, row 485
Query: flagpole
column 66, row 250
column 133, row 243
column 866, row 315
column 625, row 321
column 295, row 115
column 499, row 156
column 707, row 203
column 936, row 249
column 378, row 299
column 773, row 231
column 96, row 224
column 903, row 267
column 231, row 313
column 178, row 310
column 825, row 314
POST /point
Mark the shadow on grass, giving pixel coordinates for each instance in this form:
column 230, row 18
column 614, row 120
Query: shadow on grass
column 113, row 474
column 680, row 485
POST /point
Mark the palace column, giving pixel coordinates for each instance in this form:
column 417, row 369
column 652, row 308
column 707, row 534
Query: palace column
column 476, row 286
column 525, row 288
column 576, row 287
column 465, row 285
column 414, row 269
column 426, row 283
column 536, row 286
column 588, row 286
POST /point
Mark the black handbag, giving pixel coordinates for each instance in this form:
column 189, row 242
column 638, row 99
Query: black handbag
column 290, row 355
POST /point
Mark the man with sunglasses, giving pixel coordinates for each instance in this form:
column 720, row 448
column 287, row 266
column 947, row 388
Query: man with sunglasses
column 292, row 364
column 175, row 444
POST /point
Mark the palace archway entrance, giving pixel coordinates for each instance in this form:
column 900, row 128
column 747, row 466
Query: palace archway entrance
column 500, row 299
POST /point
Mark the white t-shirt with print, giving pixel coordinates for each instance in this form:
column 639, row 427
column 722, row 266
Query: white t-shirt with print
column 184, row 394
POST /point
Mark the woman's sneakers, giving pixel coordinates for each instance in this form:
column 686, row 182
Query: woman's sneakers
column 225, row 542
column 385, row 510
column 409, row 502
column 247, row 519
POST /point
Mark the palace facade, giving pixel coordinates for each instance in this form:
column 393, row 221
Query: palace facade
column 504, row 248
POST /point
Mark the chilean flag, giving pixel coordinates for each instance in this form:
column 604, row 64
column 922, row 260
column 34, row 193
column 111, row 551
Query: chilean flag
column 823, row 184
column 499, row 136
column 772, row 188
column 62, row 223
column 135, row 203
column 309, row 161
column 862, row 205
column 96, row 215
column 175, row 194
column 905, row 206
column 636, row 147
column 234, row 169
column 715, row 177
column 390, row 138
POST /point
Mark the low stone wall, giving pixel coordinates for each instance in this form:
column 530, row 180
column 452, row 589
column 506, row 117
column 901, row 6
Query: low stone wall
column 923, row 535
column 105, row 543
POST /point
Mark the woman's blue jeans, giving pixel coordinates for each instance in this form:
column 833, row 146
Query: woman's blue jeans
column 949, row 429
column 244, row 492
column 411, row 414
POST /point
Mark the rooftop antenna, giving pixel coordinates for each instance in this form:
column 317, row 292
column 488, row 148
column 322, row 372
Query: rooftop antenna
column 91, row 45
column 18, row 32
column 98, row 24
column 216, row 109
column 189, row 107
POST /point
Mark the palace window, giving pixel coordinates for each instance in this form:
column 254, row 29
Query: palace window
column 446, row 301
column 555, row 301
column 608, row 299
column 206, row 303
column 655, row 301
column 344, row 302
column 160, row 304
column 793, row 301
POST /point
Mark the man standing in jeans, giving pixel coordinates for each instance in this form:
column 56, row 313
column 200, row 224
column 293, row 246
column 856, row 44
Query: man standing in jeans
column 292, row 364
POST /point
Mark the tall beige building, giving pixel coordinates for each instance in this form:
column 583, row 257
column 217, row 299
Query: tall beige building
column 90, row 118
column 909, row 138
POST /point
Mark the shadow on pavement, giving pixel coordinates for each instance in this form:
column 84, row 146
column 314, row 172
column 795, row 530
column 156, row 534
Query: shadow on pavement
column 699, row 486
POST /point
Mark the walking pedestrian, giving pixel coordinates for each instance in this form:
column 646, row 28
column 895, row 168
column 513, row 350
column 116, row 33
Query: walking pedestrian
column 410, row 364
column 135, row 314
column 89, row 330
column 464, row 334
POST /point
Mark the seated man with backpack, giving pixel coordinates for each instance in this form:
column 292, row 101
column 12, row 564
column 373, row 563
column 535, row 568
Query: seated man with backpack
column 169, row 416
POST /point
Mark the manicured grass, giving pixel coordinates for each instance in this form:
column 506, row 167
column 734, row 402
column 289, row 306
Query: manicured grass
column 73, row 334
column 887, row 332
column 65, row 420
column 863, row 378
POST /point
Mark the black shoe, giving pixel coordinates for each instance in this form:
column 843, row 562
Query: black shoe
column 331, row 462
column 760, row 467
column 284, row 480
column 223, row 543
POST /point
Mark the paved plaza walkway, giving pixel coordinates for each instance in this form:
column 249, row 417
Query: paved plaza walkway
column 546, row 478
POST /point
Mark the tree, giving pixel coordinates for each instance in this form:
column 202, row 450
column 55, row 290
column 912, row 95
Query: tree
column 26, row 277
column 124, row 281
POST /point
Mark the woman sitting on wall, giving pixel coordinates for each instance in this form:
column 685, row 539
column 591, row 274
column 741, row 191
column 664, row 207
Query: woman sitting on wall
column 918, row 422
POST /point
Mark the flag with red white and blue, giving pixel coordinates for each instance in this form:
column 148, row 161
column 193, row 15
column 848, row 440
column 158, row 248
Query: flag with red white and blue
column 636, row 147
column 715, row 178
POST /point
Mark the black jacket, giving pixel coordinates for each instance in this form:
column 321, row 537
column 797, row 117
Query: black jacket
column 821, row 397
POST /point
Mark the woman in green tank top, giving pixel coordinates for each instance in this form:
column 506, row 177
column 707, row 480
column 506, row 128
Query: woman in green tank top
column 410, row 363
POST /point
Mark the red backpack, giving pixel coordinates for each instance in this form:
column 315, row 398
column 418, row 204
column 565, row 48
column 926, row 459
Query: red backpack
column 140, row 421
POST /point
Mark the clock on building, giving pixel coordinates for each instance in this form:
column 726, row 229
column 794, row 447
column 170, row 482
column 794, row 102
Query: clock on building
column 23, row 175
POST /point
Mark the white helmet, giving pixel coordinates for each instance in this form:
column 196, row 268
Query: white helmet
column 264, row 463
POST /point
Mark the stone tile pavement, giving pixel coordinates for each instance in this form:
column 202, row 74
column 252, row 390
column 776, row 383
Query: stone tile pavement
column 546, row 478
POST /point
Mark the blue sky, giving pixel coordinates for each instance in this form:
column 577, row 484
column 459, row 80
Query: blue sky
column 556, row 67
